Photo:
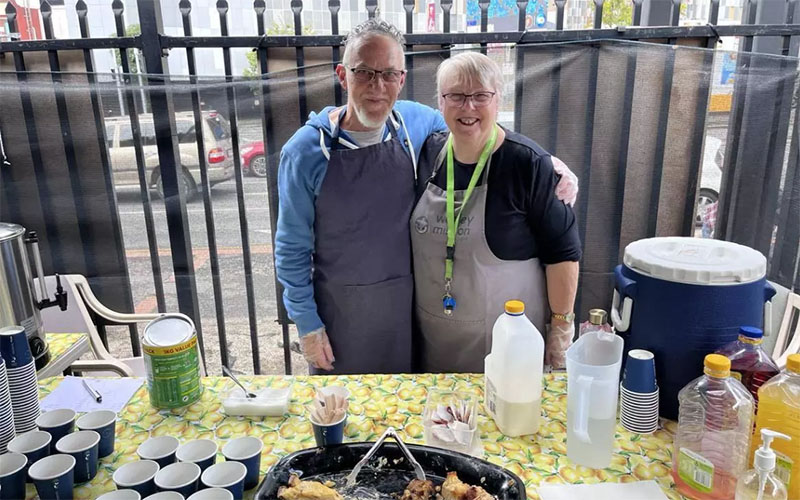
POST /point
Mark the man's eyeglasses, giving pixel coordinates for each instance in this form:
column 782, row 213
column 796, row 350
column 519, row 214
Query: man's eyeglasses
column 479, row 99
column 366, row 75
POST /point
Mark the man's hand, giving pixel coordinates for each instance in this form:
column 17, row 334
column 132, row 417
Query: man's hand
column 559, row 338
column 567, row 187
column 317, row 349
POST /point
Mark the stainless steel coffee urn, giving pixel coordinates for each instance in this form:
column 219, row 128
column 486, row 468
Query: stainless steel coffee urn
column 18, row 302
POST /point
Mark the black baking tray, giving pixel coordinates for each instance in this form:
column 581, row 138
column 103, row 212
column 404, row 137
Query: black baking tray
column 388, row 471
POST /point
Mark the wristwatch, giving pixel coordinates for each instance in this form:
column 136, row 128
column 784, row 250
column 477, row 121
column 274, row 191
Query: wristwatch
column 566, row 318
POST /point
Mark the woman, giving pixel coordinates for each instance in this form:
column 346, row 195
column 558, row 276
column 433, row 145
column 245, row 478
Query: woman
column 512, row 231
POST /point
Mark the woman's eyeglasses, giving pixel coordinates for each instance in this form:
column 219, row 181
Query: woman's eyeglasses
column 366, row 75
column 479, row 99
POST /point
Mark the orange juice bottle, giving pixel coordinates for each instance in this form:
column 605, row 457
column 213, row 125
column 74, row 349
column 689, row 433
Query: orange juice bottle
column 779, row 410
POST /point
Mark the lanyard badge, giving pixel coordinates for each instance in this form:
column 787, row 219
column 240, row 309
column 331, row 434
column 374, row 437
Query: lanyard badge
column 453, row 216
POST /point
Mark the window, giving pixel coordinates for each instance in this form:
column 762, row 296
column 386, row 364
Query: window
column 186, row 132
column 219, row 126
column 110, row 128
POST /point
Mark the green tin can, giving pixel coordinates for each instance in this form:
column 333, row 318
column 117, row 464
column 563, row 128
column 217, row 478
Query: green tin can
column 172, row 361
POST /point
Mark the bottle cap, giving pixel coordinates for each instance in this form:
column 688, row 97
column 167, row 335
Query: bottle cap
column 764, row 460
column 751, row 334
column 793, row 363
column 717, row 365
column 515, row 307
column 597, row 316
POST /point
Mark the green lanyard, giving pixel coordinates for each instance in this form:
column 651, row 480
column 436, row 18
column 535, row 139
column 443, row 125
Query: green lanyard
column 453, row 216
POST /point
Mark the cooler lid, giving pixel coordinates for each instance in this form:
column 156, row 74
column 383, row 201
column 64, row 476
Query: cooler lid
column 695, row 261
column 168, row 330
column 9, row 231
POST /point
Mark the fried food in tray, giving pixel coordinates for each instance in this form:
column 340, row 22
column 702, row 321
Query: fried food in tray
column 307, row 490
column 455, row 489
column 419, row 490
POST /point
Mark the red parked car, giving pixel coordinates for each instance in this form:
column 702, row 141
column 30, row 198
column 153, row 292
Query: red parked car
column 253, row 160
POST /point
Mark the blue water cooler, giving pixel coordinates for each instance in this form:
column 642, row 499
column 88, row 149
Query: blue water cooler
column 683, row 298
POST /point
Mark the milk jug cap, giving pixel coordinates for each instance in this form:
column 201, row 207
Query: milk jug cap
column 515, row 307
column 793, row 363
column 717, row 365
column 597, row 316
column 764, row 459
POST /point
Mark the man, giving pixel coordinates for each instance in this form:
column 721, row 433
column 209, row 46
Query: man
column 346, row 189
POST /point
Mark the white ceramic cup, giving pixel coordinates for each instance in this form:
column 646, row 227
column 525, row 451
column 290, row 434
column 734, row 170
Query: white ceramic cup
column 165, row 495
column 121, row 495
column 55, row 418
column 157, row 447
column 224, row 474
column 135, row 473
column 29, row 442
column 177, row 475
column 196, row 450
column 212, row 494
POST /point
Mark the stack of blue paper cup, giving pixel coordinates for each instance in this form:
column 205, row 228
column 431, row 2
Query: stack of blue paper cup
column 7, row 431
column 639, row 393
column 21, row 372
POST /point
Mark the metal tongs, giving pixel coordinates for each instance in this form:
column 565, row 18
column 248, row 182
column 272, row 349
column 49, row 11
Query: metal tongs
column 351, row 478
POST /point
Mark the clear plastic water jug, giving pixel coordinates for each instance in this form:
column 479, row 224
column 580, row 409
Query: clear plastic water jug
column 593, row 365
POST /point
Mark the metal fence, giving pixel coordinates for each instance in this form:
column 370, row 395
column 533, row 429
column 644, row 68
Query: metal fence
column 744, row 178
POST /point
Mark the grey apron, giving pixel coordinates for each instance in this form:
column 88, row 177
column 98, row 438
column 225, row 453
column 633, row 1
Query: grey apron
column 362, row 257
column 481, row 285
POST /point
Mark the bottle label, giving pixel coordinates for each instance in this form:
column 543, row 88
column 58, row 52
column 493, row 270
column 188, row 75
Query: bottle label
column 491, row 398
column 783, row 468
column 695, row 470
column 736, row 375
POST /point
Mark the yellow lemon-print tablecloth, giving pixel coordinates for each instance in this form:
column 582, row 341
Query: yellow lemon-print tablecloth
column 59, row 343
column 377, row 402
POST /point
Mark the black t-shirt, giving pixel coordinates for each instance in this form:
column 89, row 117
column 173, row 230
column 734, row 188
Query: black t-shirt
column 524, row 219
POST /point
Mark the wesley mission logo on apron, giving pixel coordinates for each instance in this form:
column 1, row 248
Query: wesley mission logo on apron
column 460, row 284
column 362, row 258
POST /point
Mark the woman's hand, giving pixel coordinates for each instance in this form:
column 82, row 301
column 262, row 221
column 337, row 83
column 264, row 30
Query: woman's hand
column 567, row 187
column 559, row 338
column 317, row 349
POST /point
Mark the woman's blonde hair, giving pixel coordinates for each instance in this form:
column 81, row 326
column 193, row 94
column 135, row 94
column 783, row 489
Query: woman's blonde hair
column 470, row 69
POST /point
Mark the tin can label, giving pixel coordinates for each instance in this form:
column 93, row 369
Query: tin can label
column 173, row 374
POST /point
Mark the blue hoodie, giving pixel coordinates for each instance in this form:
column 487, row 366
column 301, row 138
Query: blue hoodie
column 302, row 169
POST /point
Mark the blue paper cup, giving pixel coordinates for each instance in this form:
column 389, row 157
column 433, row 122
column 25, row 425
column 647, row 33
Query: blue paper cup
column 202, row 452
column 53, row 477
column 181, row 477
column 226, row 475
column 138, row 476
column 120, row 495
column 329, row 434
column 58, row 423
column 83, row 447
column 159, row 449
column 103, row 422
column 246, row 450
column 640, row 372
column 13, row 467
column 212, row 494
column 35, row 445
column 14, row 347
column 166, row 495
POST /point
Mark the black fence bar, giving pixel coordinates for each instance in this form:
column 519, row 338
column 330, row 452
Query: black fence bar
column 663, row 124
column 113, row 209
column 408, row 6
column 519, row 66
column 169, row 165
column 68, row 43
column 185, row 7
column 484, row 7
column 560, row 4
column 777, row 143
column 333, row 7
column 271, row 152
column 731, row 174
column 222, row 8
column 447, row 5
column 372, row 7
column 141, row 167
column 297, row 9
column 528, row 37
column 637, row 12
column 698, row 137
column 84, row 225
column 51, row 225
